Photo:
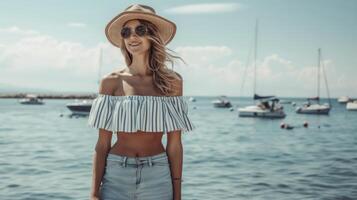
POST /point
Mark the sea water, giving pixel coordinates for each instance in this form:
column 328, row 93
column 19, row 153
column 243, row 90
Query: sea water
column 45, row 153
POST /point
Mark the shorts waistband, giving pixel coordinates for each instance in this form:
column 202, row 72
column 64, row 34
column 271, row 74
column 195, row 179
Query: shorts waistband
column 138, row 159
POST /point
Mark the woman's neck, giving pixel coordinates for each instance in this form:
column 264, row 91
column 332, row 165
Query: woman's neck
column 140, row 65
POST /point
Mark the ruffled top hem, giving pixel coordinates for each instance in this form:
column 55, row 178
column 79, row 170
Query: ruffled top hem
column 140, row 113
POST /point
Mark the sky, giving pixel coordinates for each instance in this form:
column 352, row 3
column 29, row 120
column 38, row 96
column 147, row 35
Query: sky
column 54, row 45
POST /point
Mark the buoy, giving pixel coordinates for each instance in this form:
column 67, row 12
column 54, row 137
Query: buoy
column 305, row 124
column 282, row 125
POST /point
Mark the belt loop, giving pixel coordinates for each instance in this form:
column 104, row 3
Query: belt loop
column 124, row 161
column 150, row 162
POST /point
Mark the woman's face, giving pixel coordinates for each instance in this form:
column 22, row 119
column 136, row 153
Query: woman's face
column 134, row 43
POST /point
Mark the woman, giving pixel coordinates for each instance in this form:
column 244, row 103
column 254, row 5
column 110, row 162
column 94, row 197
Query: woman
column 140, row 103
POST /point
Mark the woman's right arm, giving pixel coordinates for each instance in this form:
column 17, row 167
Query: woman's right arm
column 102, row 149
column 108, row 86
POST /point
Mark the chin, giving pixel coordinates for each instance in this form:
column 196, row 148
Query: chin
column 138, row 52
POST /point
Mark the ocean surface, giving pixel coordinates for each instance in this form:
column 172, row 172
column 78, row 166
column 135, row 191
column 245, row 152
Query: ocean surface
column 47, row 154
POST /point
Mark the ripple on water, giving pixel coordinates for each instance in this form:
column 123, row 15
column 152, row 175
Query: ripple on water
column 7, row 129
column 282, row 186
column 46, row 196
column 13, row 185
column 262, row 184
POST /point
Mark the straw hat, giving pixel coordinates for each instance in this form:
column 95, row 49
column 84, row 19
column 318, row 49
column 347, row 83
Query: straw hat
column 167, row 29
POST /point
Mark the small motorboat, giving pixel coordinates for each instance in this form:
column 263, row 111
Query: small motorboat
column 83, row 107
column 80, row 107
column 192, row 99
column 343, row 99
column 31, row 99
column 222, row 102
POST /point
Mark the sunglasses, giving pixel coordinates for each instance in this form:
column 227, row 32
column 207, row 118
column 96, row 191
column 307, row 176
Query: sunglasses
column 140, row 30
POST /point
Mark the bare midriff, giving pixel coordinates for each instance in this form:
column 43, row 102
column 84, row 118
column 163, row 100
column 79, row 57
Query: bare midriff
column 138, row 144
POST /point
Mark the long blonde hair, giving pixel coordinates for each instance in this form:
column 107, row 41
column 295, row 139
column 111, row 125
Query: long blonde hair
column 163, row 77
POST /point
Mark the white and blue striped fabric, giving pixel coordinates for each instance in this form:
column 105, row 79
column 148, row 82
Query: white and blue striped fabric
column 136, row 112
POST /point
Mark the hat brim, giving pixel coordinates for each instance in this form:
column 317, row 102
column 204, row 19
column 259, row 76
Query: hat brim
column 167, row 29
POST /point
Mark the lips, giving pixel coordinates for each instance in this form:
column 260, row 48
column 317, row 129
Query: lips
column 134, row 44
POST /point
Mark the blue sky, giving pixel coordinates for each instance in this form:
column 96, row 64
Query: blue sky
column 54, row 44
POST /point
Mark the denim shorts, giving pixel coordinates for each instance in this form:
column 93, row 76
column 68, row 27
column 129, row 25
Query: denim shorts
column 137, row 178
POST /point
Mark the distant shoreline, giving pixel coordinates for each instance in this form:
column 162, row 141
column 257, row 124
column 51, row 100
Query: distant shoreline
column 93, row 95
column 50, row 96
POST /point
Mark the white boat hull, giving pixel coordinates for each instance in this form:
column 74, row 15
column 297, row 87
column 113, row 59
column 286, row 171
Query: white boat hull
column 221, row 104
column 343, row 99
column 80, row 107
column 256, row 111
column 31, row 102
column 314, row 109
column 192, row 99
column 352, row 106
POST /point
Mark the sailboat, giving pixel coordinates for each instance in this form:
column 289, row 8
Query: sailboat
column 83, row 107
column 316, row 108
column 268, row 106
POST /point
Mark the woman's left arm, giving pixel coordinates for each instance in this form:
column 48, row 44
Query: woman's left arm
column 175, row 154
column 174, row 149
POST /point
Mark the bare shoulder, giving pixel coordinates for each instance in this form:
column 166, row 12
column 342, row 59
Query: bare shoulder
column 110, row 83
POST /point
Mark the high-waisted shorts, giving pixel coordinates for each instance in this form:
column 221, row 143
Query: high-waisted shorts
column 137, row 178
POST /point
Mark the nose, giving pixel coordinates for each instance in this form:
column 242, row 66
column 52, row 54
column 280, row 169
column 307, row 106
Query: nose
column 133, row 38
column 133, row 34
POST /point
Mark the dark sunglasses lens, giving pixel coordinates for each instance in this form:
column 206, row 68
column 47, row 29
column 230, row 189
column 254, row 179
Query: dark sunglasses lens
column 125, row 32
column 140, row 30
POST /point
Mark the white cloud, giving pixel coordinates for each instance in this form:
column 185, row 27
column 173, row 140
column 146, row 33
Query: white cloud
column 214, row 70
column 204, row 8
column 17, row 30
column 35, row 60
column 207, row 69
column 76, row 24
column 46, row 52
column 202, row 55
column 43, row 61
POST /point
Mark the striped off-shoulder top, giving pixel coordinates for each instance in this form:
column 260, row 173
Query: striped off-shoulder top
column 140, row 113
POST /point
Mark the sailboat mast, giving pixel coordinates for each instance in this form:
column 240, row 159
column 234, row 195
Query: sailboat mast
column 318, row 75
column 100, row 60
column 255, row 55
column 325, row 78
